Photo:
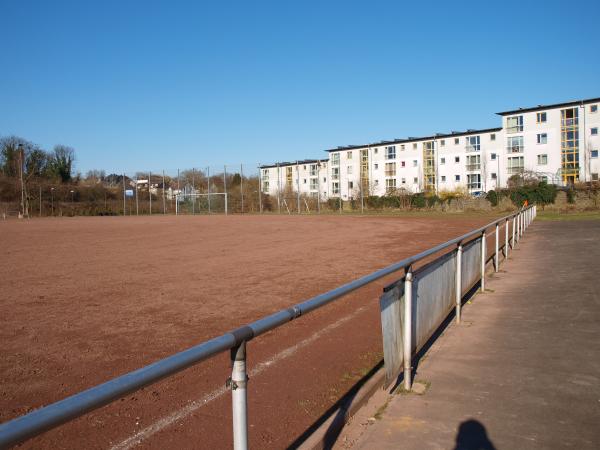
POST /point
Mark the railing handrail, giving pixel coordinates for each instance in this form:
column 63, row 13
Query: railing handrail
column 62, row 411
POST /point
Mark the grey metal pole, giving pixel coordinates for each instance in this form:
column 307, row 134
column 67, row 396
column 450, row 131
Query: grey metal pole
column 242, row 185
column 208, row 177
column 176, row 204
column 124, row 197
column 150, row 190
column 193, row 189
column 408, row 328
column 298, row 187
column 506, row 239
column 137, row 203
column 459, row 252
column 278, row 189
column 239, row 397
column 163, row 193
column 259, row 189
column 225, row 186
column 483, row 261
column 319, row 187
column 496, row 256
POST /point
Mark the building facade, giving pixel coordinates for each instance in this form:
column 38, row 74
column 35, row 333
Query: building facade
column 557, row 143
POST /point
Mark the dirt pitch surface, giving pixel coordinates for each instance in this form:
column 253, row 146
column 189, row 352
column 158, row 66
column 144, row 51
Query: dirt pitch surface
column 87, row 299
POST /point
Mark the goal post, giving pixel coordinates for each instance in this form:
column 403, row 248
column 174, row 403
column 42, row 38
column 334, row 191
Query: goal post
column 215, row 202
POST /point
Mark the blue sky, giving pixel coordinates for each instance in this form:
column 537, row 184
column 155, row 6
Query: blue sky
column 138, row 85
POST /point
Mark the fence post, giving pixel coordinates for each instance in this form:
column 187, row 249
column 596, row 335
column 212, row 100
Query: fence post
column 242, row 186
column 506, row 239
column 239, row 397
column 408, row 328
column 514, row 223
column 483, row 261
column 163, row 193
column 208, row 186
column 496, row 256
column 260, row 189
column 459, row 251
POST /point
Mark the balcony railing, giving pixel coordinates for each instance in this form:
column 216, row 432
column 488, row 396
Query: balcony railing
column 472, row 167
column 390, row 173
column 514, row 149
column 472, row 148
column 569, row 122
column 514, row 129
column 516, row 169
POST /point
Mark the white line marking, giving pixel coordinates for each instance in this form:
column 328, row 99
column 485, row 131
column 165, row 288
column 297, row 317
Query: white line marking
column 197, row 404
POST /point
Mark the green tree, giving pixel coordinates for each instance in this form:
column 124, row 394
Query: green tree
column 61, row 162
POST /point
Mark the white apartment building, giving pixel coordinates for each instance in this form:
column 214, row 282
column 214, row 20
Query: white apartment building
column 558, row 143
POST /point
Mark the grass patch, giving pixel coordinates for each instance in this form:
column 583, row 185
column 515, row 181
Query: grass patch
column 379, row 413
column 561, row 216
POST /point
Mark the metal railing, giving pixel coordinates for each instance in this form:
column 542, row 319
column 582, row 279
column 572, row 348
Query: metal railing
column 55, row 414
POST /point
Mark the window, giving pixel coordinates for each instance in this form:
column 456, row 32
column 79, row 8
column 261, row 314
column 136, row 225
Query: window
column 376, row 151
column 493, row 137
column 594, row 154
column 350, row 185
column 402, row 147
column 403, row 164
column 390, row 169
column 456, row 177
column 514, row 124
column 415, row 180
column 594, row 177
column 542, row 138
column 514, row 144
column 415, row 145
column 313, row 170
column 541, row 117
column 443, row 178
column 349, row 170
column 474, row 181
column 324, row 180
column 265, row 186
column 376, row 182
column 335, row 187
column 474, row 162
column 594, row 131
column 265, row 174
column 376, row 166
column 390, row 184
column 473, row 144
column 593, row 108
column 542, row 160
column 515, row 164
column 442, row 161
column 348, row 155
column 335, row 173
column 403, row 180
column 494, row 176
column 457, row 159
column 415, row 162
column 456, row 141
column 304, row 181
column 443, row 143
column 390, row 152
column 314, row 184
column 493, row 157
column 304, row 167
column 335, row 159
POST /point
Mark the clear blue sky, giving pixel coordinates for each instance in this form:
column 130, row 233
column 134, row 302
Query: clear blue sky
column 151, row 85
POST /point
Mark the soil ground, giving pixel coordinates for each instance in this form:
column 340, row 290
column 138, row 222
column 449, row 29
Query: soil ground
column 84, row 300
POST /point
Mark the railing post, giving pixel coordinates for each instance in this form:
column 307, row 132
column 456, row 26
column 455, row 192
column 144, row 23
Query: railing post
column 506, row 239
column 239, row 397
column 496, row 256
column 408, row 328
column 483, row 261
column 514, row 223
column 459, row 251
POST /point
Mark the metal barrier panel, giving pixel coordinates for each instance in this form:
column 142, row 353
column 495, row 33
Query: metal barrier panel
column 391, row 304
column 471, row 265
column 433, row 297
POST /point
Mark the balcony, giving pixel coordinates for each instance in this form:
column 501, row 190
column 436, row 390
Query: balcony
column 569, row 122
column 514, row 129
column 472, row 148
column 514, row 149
column 473, row 167
column 390, row 173
column 516, row 169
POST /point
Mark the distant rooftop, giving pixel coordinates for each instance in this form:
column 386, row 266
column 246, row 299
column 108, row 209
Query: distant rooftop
column 555, row 105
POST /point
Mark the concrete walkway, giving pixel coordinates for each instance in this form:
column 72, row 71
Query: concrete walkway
column 523, row 370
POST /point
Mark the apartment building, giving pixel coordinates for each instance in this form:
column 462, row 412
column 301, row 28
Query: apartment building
column 558, row 143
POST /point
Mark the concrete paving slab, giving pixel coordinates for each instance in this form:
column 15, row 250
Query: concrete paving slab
column 523, row 369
